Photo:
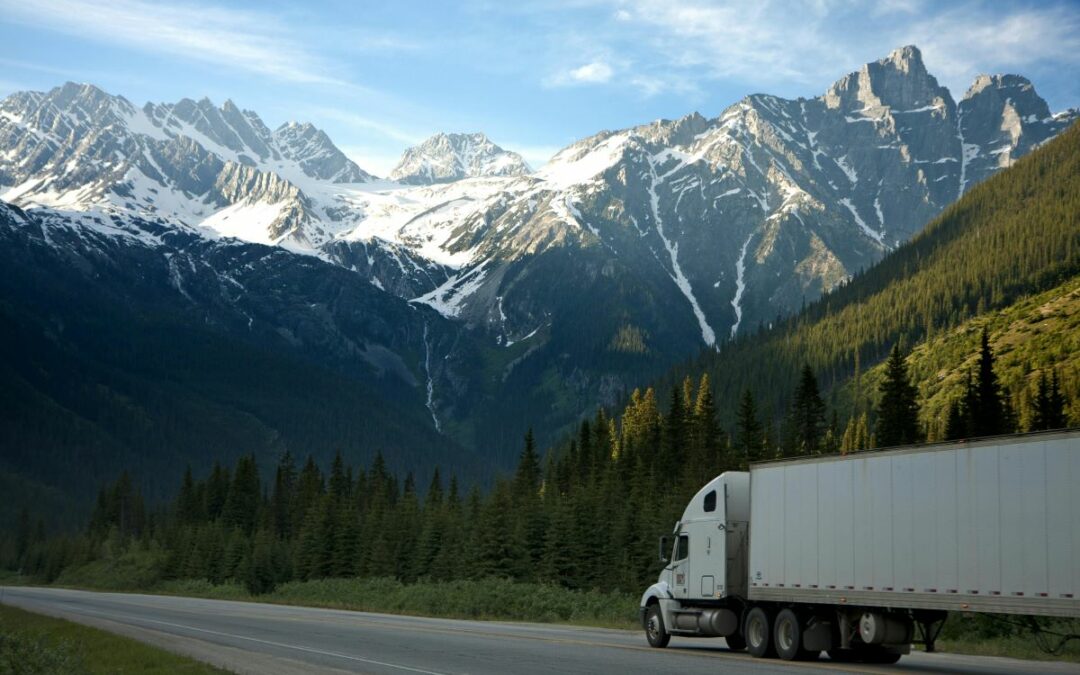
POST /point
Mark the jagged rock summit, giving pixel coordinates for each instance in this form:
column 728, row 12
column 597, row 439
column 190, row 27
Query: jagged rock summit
column 448, row 157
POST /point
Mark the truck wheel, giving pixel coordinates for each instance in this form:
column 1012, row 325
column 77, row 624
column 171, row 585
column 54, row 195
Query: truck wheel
column 736, row 642
column 758, row 633
column 655, row 632
column 787, row 634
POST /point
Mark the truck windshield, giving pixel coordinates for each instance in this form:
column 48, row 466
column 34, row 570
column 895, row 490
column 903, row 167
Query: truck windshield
column 682, row 547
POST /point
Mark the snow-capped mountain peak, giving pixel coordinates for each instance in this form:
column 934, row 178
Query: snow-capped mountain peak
column 448, row 157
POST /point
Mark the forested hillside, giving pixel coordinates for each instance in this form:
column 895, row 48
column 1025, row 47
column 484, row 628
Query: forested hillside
column 1015, row 235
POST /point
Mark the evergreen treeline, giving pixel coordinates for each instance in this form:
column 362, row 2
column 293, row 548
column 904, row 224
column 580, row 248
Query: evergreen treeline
column 587, row 517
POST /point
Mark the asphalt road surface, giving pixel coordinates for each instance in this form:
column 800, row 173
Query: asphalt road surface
column 260, row 638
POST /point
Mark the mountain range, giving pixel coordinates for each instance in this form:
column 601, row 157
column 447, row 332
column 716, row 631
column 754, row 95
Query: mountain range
column 468, row 294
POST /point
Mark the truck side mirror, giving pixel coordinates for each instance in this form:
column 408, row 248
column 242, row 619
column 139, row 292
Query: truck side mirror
column 665, row 549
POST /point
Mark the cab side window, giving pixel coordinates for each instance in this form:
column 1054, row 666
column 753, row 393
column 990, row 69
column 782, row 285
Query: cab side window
column 710, row 502
column 682, row 548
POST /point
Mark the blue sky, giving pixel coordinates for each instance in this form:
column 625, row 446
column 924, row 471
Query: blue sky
column 534, row 76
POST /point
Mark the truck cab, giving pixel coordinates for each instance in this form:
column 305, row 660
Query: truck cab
column 701, row 589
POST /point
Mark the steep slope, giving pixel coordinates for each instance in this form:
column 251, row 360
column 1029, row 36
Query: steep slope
column 627, row 253
column 1015, row 235
column 448, row 157
column 78, row 148
column 134, row 345
column 1030, row 337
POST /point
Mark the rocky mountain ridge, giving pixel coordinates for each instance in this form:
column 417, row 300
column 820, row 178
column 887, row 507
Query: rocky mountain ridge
column 444, row 158
column 629, row 250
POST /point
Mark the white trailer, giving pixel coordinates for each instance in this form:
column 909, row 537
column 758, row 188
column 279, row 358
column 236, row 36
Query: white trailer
column 862, row 555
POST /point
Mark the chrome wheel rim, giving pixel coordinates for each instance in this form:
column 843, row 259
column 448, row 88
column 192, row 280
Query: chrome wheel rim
column 785, row 636
column 756, row 632
column 654, row 627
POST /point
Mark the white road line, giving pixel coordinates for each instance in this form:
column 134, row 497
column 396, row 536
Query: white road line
column 271, row 643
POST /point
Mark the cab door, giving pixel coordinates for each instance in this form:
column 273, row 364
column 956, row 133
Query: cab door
column 680, row 567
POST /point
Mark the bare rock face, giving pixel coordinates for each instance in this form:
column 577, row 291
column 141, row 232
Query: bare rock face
column 629, row 250
column 448, row 157
column 78, row 147
column 1001, row 119
column 739, row 218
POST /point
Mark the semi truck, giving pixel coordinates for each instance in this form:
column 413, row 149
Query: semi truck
column 863, row 555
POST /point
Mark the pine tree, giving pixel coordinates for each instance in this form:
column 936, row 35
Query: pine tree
column 707, row 436
column 807, row 415
column 282, row 498
column 673, row 458
column 1049, row 404
column 989, row 416
column 260, row 574
column 527, row 477
column 241, row 508
column 217, row 491
column 749, row 434
column 898, row 411
column 187, row 502
column 1056, row 418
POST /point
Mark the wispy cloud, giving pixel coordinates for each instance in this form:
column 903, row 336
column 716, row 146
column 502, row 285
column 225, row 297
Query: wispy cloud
column 235, row 39
column 961, row 43
column 365, row 124
column 796, row 44
column 593, row 72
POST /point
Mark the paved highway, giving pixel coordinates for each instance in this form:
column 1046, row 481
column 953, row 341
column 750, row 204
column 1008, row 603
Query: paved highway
column 269, row 639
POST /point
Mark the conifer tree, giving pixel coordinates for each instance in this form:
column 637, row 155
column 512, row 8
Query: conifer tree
column 1049, row 404
column 674, row 435
column 807, row 415
column 241, row 508
column 749, row 434
column 281, row 500
column 217, row 491
column 989, row 416
column 708, row 439
column 260, row 574
column 898, row 411
column 187, row 502
column 309, row 487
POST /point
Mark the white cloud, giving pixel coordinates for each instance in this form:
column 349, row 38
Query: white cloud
column 800, row 46
column 960, row 44
column 235, row 39
column 595, row 72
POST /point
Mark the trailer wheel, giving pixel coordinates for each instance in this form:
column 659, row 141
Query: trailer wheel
column 736, row 642
column 655, row 632
column 758, row 633
column 787, row 635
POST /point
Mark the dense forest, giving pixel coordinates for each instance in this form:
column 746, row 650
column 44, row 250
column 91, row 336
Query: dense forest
column 633, row 473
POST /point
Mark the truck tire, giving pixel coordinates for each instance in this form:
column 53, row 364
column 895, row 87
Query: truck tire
column 787, row 636
column 758, row 633
column 655, row 632
column 736, row 642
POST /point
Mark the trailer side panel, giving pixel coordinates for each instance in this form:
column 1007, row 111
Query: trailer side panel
column 991, row 525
